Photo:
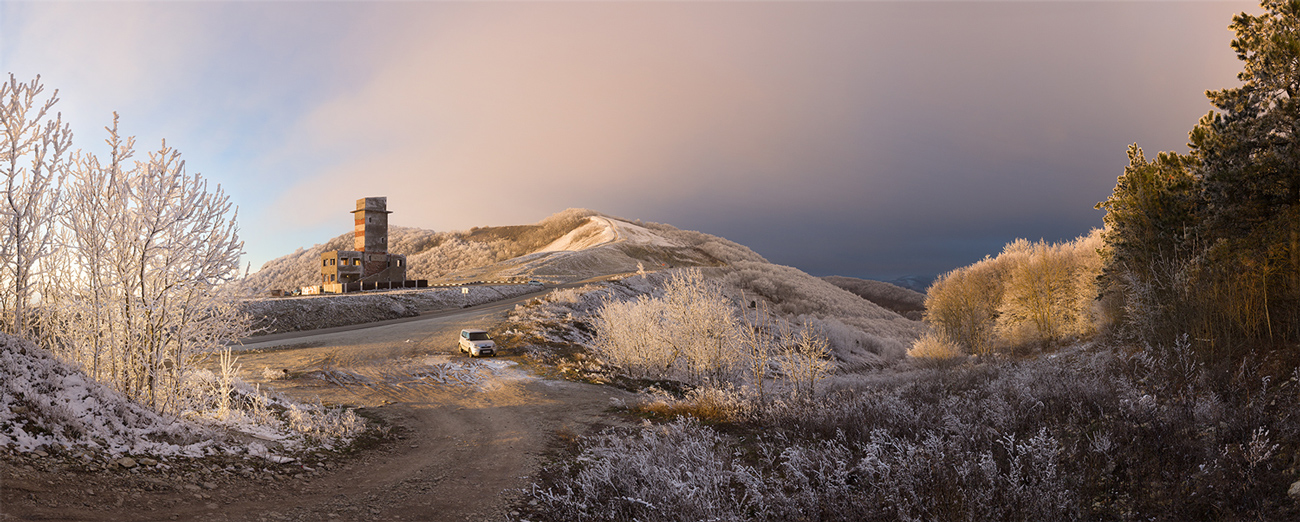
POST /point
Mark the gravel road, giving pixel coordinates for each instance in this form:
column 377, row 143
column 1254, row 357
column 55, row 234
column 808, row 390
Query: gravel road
column 468, row 435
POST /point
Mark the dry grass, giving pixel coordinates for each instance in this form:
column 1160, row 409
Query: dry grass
column 706, row 404
column 934, row 349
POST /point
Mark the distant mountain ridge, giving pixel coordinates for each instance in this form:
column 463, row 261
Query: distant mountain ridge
column 915, row 283
column 903, row 301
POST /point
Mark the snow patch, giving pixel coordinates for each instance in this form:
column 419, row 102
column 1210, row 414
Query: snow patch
column 594, row 232
column 45, row 402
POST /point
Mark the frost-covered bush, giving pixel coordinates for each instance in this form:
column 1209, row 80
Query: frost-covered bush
column 1031, row 294
column 689, row 334
column 1087, row 433
column 226, row 400
column 685, row 471
column 694, row 334
column 678, row 471
column 712, row 403
column 934, row 348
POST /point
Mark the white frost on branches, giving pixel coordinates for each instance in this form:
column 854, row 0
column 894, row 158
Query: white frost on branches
column 114, row 263
column 153, row 244
column 33, row 163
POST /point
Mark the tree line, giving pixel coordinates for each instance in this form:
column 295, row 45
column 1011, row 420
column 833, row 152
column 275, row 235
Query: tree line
column 113, row 262
column 1204, row 243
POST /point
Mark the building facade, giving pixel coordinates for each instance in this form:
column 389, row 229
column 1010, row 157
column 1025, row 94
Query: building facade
column 369, row 261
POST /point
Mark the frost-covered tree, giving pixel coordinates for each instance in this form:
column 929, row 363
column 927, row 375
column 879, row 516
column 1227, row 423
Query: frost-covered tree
column 1208, row 243
column 963, row 304
column 33, row 162
column 155, row 245
column 805, row 361
column 1033, row 292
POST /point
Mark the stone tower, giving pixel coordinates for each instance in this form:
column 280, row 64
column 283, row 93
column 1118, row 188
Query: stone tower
column 369, row 266
column 371, row 218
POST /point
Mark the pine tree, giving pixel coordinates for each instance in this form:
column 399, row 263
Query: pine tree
column 1249, row 169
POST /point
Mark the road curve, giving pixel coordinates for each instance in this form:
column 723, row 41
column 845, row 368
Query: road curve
column 469, row 447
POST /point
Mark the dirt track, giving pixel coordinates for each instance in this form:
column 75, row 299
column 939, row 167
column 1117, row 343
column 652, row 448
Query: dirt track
column 468, row 435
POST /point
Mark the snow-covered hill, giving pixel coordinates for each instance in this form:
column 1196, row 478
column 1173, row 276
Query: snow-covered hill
column 580, row 244
column 572, row 245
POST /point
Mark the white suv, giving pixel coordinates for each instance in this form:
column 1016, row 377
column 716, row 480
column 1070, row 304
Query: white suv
column 476, row 343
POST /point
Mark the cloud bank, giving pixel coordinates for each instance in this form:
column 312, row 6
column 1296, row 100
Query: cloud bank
column 868, row 139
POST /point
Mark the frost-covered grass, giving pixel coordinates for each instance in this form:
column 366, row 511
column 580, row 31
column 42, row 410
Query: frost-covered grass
column 1089, row 433
column 231, row 403
column 48, row 403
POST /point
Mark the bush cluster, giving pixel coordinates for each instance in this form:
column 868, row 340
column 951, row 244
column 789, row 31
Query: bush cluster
column 1090, row 434
column 1032, row 294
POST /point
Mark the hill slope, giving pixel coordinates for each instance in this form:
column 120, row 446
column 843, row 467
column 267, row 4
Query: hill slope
column 903, row 301
column 579, row 244
column 572, row 245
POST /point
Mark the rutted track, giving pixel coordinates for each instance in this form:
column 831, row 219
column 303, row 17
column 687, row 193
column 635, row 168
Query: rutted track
column 474, row 428
column 472, row 434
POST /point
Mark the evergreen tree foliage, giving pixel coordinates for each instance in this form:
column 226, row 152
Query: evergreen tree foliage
column 1249, row 166
column 1209, row 243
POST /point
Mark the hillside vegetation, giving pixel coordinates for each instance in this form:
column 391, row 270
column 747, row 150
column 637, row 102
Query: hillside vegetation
column 1145, row 371
column 572, row 245
column 579, row 244
column 902, row 301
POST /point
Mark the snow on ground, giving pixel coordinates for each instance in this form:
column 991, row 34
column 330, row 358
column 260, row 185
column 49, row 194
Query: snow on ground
column 433, row 370
column 595, row 232
column 600, row 230
column 46, row 403
column 640, row 235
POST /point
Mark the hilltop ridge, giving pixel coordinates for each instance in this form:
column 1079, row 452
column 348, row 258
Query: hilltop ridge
column 581, row 244
column 571, row 245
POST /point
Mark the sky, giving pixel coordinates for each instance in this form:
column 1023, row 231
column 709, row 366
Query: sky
column 859, row 138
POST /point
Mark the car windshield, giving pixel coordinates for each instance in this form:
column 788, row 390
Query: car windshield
column 478, row 336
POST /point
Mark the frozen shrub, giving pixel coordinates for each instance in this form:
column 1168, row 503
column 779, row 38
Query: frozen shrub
column 678, row 471
column 1086, row 433
column 1031, row 294
column 724, row 404
column 934, row 348
column 689, row 334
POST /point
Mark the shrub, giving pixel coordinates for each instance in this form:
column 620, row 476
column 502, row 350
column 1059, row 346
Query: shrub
column 1031, row 294
column 934, row 349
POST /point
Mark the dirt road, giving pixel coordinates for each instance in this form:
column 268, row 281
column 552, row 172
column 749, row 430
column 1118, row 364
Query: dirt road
column 468, row 435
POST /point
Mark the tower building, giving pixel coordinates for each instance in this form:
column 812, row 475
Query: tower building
column 369, row 265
